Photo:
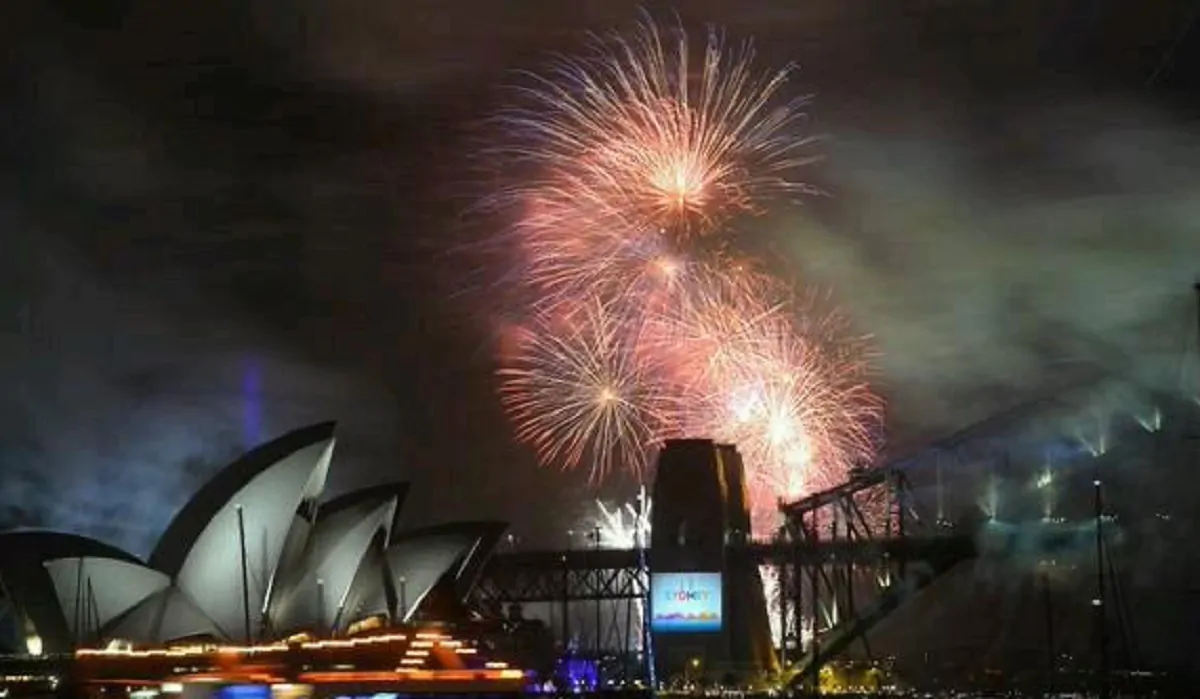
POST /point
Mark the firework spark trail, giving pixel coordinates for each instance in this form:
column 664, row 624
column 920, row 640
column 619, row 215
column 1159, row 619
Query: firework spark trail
column 713, row 326
column 621, row 268
column 625, row 526
column 651, row 144
column 575, row 391
column 796, row 404
column 796, row 420
column 632, row 160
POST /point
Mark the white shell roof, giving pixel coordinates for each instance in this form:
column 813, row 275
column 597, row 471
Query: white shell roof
column 313, row 596
column 418, row 560
column 93, row 591
column 167, row 615
column 310, row 568
column 261, row 493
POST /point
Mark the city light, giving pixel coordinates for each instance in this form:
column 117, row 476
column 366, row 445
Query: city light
column 424, row 640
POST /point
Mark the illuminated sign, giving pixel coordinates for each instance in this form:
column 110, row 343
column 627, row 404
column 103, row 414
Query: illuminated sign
column 685, row 602
column 244, row 691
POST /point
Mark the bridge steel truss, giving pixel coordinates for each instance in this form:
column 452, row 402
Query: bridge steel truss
column 612, row 585
column 877, row 549
column 845, row 557
column 522, row 577
column 834, row 601
column 841, row 599
column 563, row 576
column 843, row 567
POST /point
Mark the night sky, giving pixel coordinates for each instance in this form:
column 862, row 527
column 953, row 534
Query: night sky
column 226, row 219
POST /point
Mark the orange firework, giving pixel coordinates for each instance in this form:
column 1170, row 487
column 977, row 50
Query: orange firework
column 564, row 254
column 577, row 393
column 795, row 402
column 631, row 159
column 651, row 141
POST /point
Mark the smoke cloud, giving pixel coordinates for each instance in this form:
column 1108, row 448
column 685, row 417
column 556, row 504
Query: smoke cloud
column 988, row 259
column 995, row 252
column 116, row 409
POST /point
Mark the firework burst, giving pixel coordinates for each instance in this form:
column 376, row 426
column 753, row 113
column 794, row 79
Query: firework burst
column 624, row 526
column 612, row 264
column 653, row 137
column 631, row 163
column 577, row 392
column 792, row 396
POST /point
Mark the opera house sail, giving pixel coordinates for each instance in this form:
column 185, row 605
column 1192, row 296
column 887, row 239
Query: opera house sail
column 255, row 555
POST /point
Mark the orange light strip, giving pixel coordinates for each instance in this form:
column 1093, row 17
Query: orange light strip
column 353, row 642
column 183, row 651
column 225, row 677
column 410, row 675
column 129, row 681
column 401, row 674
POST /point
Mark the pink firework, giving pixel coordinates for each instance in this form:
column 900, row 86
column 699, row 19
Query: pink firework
column 631, row 159
column 797, row 404
column 578, row 394
column 651, row 135
column 565, row 252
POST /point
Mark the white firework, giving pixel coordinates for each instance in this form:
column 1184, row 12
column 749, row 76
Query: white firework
column 625, row 526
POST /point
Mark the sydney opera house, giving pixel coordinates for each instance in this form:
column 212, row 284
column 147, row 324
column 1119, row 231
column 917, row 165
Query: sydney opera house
column 255, row 555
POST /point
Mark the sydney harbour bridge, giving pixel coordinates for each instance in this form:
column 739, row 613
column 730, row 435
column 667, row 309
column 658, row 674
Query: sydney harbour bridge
column 1062, row 502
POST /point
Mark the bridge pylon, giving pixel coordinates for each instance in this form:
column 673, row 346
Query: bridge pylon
column 708, row 617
